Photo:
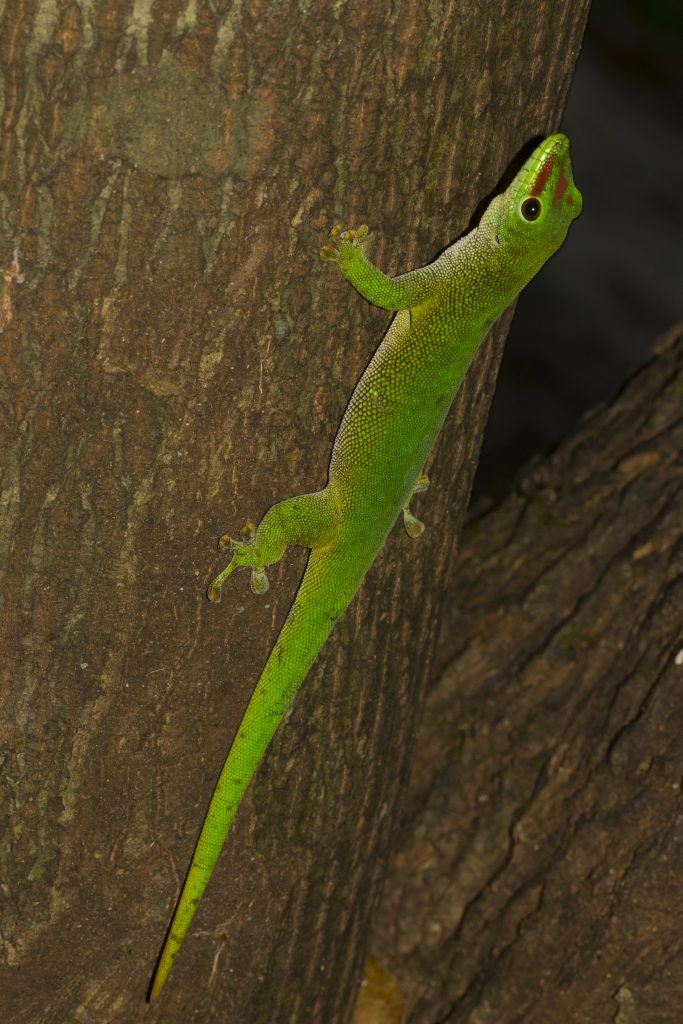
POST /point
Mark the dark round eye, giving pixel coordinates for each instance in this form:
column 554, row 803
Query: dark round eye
column 531, row 209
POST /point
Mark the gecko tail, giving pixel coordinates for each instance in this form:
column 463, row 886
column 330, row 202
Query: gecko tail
column 326, row 589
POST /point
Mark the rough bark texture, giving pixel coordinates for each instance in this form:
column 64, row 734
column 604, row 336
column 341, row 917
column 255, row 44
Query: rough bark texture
column 175, row 360
column 538, row 875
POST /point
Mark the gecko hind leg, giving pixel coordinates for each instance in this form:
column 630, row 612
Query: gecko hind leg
column 413, row 526
column 307, row 519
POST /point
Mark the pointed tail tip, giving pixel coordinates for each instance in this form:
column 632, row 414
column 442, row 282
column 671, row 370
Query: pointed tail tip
column 155, row 988
column 161, row 972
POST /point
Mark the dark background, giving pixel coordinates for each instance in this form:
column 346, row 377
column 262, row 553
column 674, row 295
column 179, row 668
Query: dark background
column 589, row 319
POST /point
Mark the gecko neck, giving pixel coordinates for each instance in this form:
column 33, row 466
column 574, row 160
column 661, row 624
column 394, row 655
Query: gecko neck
column 489, row 270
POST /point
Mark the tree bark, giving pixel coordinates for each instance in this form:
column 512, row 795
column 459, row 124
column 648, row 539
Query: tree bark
column 537, row 877
column 175, row 360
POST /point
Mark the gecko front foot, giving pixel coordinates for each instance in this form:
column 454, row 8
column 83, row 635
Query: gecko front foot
column 346, row 241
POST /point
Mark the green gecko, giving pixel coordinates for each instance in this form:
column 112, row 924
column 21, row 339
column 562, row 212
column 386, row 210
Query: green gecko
column 443, row 313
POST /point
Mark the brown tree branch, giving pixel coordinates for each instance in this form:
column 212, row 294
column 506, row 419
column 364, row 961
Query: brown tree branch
column 177, row 359
column 538, row 874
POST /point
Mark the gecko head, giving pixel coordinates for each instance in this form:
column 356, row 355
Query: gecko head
column 531, row 218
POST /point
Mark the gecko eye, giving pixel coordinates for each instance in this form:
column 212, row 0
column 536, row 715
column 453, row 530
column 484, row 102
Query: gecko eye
column 531, row 209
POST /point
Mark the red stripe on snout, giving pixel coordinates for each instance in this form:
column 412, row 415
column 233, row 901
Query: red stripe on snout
column 543, row 175
column 560, row 188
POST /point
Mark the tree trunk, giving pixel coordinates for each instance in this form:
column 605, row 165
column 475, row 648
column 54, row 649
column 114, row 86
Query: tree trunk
column 175, row 360
column 537, row 877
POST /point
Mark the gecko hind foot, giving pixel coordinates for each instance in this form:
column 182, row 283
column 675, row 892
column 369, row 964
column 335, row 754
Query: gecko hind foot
column 259, row 581
column 306, row 519
column 244, row 554
column 247, row 532
column 413, row 526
